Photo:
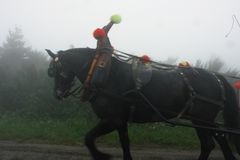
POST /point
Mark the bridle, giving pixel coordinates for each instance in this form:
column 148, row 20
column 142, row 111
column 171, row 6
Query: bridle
column 57, row 69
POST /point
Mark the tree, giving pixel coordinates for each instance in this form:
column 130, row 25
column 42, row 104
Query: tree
column 215, row 64
column 232, row 71
column 14, row 39
column 25, row 88
column 18, row 71
column 200, row 64
column 14, row 51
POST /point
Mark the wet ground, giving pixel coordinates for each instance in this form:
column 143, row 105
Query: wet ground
column 21, row 151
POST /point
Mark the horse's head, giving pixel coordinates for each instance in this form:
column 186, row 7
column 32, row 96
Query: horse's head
column 63, row 76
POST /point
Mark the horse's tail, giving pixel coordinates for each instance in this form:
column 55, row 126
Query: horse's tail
column 231, row 113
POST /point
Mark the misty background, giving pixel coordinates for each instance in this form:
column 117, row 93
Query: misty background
column 167, row 30
column 187, row 29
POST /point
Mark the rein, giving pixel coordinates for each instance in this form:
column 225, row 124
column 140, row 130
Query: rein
column 127, row 58
column 215, row 126
column 76, row 92
column 159, row 65
column 221, row 130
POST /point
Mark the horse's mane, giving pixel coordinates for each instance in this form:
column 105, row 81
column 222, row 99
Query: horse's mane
column 78, row 50
column 91, row 51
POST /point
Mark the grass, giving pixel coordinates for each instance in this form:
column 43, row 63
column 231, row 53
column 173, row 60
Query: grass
column 158, row 135
column 72, row 132
column 51, row 131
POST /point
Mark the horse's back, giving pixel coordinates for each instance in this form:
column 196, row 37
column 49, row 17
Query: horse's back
column 204, row 83
column 170, row 90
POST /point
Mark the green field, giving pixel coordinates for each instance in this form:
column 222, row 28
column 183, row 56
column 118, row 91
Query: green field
column 72, row 131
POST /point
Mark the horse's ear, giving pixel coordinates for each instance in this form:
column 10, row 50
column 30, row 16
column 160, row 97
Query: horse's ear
column 51, row 54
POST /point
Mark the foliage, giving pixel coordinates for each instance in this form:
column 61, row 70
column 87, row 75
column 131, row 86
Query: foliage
column 216, row 64
column 25, row 88
column 73, row 130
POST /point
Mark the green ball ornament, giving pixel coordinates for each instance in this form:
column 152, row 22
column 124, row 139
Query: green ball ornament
column 116, row 19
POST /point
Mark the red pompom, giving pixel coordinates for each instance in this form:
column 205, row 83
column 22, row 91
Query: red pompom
column 145, row 59
column 237, row 85
column 99, row 33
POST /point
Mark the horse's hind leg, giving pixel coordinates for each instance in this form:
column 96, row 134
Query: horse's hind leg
column 102, row 128
column 124, row 140
column 207, row 143
column 222, row 141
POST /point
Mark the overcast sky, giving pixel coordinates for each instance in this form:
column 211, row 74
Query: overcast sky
column 187, row 29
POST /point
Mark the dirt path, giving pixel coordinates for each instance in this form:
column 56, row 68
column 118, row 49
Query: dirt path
column 19, row 151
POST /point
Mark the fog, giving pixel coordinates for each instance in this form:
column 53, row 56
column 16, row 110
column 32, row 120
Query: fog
column 187, row 29
column 183, row 29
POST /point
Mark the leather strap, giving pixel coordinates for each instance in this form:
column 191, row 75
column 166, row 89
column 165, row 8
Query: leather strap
column 91, row 70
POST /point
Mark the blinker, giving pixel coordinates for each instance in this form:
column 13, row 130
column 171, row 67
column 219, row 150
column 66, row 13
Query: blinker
column 54, row 67
column 51, row 72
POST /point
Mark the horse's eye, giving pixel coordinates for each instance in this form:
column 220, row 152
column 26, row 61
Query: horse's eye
column 51, row 72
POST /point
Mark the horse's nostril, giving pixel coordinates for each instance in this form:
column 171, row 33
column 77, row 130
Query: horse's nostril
column 58, row 92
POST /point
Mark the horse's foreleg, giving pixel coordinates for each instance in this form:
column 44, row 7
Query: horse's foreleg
column 102, row 128
column 222, row 141
column 124, row 140
column 207, row 143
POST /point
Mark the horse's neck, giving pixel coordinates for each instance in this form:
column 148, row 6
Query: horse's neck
column 121, row 75
column 80, row 63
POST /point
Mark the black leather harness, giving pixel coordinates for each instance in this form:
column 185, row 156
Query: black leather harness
column 193, row 95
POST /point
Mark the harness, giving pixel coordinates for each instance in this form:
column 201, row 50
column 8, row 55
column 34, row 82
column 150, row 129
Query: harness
column 142, row 73
column 193, row 95
column 101, row 59
column 91, row 70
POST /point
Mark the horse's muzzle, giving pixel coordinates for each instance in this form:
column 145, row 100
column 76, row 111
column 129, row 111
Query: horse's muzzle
column 59, row 95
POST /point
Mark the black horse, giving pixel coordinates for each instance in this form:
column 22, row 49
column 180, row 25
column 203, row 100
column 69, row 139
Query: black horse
column 186, row 93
